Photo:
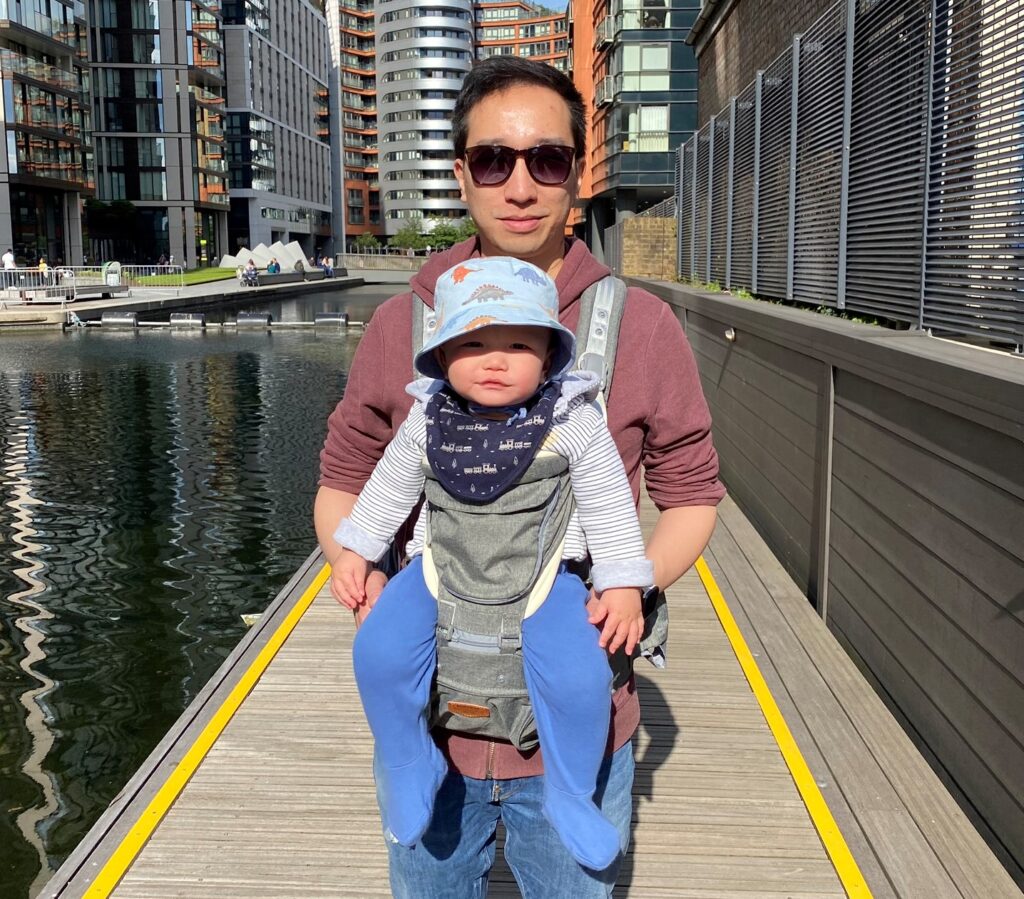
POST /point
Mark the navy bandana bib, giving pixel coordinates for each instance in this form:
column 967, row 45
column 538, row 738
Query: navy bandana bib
column 477, row 459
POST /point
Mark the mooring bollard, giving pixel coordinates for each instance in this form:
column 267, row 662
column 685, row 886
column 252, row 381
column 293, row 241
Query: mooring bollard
column 188, row 320
column 127, row 320
column 253, row 320
column 330, row 320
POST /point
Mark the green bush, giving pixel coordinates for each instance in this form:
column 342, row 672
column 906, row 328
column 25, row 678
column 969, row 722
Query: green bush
column 366, row 241
column 410, row 236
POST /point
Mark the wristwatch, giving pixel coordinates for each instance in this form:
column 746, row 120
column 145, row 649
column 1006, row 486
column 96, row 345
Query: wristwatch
column 649, row 598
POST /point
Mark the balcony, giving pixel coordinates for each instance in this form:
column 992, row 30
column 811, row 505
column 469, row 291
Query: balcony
column 12, row 63
column 605, row 92
column 605, row 33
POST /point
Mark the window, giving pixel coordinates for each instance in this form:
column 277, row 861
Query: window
column 647, row 130
column 644, row 67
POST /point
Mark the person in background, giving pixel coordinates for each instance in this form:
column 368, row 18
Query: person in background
column 273, row 267
column 519, row 136
column 250, row 275
column 327, row 266
column 10, row 264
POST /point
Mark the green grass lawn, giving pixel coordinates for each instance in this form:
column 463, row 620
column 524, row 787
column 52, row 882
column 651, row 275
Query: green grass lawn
column 196, row 276
column 205, row 275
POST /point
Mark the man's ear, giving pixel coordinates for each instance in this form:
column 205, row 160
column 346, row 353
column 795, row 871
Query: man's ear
column 460, row 175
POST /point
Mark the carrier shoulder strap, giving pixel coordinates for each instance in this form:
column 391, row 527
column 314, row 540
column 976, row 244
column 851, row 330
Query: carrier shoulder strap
column 597, row 334
column 423, row 324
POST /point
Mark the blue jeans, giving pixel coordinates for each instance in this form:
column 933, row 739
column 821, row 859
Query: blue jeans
column 456, row 854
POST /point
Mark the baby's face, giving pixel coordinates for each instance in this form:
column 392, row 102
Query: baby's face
column 500, row 365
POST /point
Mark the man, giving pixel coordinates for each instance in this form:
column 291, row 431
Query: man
column 519, row 135
column 10, row 264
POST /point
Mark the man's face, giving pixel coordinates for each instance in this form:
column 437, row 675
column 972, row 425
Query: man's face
column 520, row 218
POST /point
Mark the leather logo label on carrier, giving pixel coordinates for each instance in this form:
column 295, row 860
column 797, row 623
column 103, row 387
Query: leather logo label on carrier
column 468, row 710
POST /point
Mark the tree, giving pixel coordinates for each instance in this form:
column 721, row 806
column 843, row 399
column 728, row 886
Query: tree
column 467, row 228
column 446, row 232
column 410, row 235
column 366, row 241
column 443, row 234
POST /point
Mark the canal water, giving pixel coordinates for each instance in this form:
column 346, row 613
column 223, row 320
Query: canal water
column 154, row 487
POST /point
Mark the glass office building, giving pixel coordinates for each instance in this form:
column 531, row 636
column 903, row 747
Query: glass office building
column 162, row 177
column 277, row 124
column 47, row 170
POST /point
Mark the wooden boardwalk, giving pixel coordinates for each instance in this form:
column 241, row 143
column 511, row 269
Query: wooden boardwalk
column 282, row 803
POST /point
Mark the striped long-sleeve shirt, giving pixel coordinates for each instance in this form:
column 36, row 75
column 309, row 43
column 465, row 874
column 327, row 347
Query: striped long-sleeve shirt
column 604, row 522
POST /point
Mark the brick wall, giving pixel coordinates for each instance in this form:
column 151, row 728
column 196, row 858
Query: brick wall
column 752, row 34
column 649, row 248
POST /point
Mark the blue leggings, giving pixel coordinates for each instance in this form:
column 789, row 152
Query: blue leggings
column 567, row 677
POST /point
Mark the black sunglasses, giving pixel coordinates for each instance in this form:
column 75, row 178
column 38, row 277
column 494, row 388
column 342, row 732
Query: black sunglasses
column 492, row 164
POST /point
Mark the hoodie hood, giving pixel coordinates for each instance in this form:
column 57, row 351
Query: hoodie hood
column 579, row 270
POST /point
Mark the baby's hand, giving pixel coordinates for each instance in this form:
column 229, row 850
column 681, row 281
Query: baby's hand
column 619, row 609
column 349, row 572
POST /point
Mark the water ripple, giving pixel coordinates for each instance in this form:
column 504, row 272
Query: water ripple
column 22, row 503
column 151, row 491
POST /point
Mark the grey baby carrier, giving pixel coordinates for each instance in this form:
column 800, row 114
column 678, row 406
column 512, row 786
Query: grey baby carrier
column 484, row 590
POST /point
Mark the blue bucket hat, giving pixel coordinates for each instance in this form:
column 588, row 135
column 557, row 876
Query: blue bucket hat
column 496, row 290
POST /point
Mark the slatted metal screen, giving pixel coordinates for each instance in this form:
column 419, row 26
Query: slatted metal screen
column 681, row 212
column 877, row 165
column 773, row 220
column 975, row 237
column 720, row 196
column 741, row 272
column 686, row 209
column 701, row 221
column 819, row 158
column 888, row 158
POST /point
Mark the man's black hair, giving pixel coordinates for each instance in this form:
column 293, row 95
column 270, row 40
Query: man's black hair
column 499, row 73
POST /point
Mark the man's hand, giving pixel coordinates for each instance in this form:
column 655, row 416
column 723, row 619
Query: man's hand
column 623, row 620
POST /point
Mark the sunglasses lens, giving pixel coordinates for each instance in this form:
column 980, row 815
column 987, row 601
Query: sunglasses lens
column 549, row 164
column 490, row 165
column 493, row 165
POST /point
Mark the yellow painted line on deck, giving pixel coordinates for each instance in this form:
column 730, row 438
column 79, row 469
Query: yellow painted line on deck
column 126, row 852
column 831, row 837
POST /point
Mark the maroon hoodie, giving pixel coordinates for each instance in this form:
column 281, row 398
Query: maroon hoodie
column 656, row 414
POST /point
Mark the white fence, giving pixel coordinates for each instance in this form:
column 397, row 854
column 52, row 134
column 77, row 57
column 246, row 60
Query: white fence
column 67, row 283
column 391, row 262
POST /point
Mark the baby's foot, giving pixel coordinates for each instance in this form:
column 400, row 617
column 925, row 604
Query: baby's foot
column 588, row 835
column 407, row 794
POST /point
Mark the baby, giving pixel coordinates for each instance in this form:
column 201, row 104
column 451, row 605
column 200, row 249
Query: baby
column 496, row 406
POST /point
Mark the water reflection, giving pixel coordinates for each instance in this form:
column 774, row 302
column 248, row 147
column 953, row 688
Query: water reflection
column 153, row 487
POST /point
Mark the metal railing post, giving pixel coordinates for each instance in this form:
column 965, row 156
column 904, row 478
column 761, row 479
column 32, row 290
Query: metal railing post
column 926, row 187
column 844, row 176
column 756, row 203
column 793, row 108
column 709, row 202
column 680, row 163
column 693, row 209
column 729, row 194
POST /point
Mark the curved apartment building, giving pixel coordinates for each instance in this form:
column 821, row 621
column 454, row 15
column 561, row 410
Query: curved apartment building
column 423, row 51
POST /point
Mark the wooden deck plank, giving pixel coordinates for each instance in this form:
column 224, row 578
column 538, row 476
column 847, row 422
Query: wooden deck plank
column 283, row 804
column 894, row 810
